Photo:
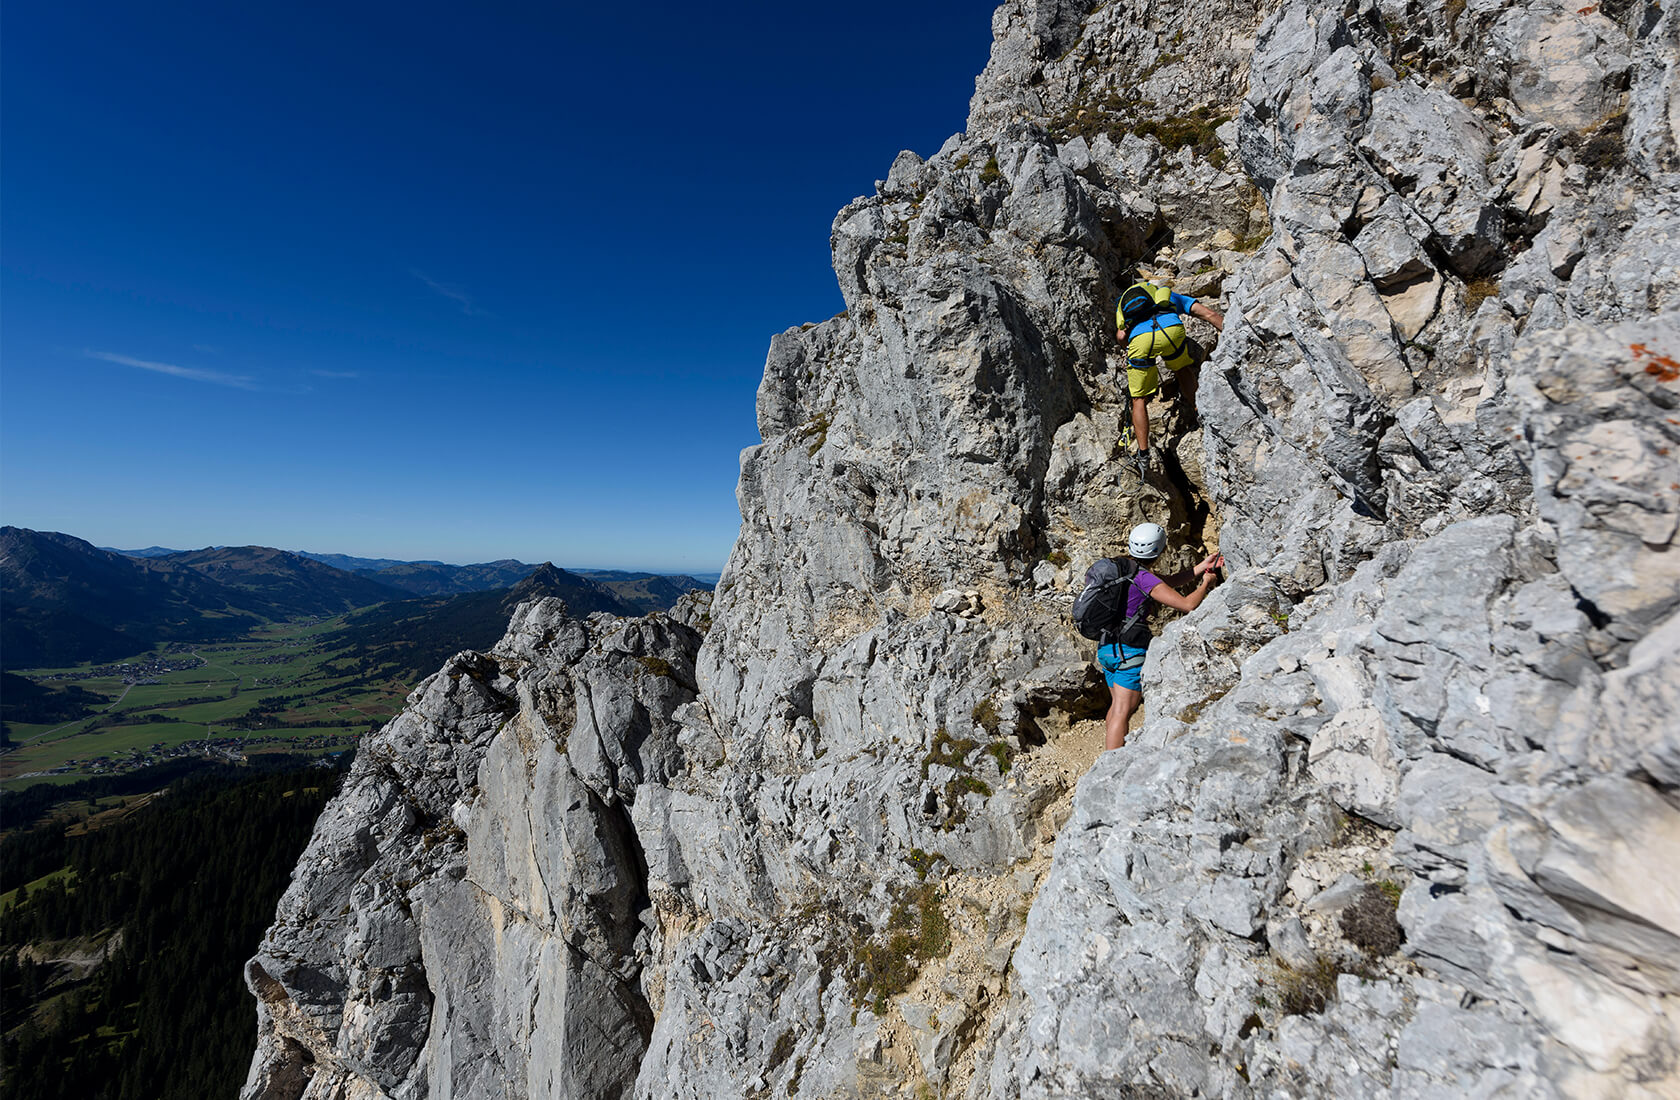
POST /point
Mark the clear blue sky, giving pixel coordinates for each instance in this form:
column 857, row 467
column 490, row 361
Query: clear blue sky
column 464, row 281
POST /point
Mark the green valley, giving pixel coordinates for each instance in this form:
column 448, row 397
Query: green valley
column 278, row 689
column 117, row 663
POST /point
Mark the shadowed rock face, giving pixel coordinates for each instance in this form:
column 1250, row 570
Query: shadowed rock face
column 813, row 855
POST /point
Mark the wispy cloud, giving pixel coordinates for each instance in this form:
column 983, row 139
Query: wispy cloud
column 194, row 374
column 335, row 373
column 454, row 294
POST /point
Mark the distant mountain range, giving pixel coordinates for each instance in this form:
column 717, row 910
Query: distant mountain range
column 64, row 601
column 148, row 552
column 642, row 592
column 433, row 578
column 415, row 636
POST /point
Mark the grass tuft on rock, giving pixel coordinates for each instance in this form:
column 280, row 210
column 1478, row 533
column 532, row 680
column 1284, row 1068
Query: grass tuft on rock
column 1174, row 132
column 1003, row 754
column 817, row 432
column 922, row 862
column 888, row 961
column 1604, row 149
column 1191, row 713
column 1478, row 291
column 1369, row 923
column 947, row 750
column 1119, row 114
column 1306, row 992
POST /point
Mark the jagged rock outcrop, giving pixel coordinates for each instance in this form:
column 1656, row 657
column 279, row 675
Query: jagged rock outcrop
column 1434, row 704
column 464, row 920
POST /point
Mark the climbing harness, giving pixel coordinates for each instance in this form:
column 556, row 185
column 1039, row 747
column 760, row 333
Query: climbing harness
column 1140, row 304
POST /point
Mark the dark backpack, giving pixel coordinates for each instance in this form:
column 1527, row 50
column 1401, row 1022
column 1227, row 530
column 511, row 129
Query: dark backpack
column 1138, row 304
column 1100, row 611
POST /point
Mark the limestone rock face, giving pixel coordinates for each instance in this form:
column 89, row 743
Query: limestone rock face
column 1457, row 500
column 860, row 842
column 464, row 920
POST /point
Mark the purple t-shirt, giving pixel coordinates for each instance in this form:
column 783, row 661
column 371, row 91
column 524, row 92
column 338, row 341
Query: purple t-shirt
column 1142, row 584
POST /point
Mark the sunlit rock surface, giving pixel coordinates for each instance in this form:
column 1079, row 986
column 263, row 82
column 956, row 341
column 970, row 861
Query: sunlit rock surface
column 840, row 832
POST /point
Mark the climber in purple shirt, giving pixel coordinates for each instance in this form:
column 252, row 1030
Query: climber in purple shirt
column 1122, row 661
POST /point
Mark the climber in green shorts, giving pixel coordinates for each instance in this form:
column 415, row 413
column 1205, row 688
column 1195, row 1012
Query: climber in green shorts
column 1149, row 320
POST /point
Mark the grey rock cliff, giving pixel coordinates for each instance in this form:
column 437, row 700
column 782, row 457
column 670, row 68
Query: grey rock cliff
column 854, row 844
column 464, row 921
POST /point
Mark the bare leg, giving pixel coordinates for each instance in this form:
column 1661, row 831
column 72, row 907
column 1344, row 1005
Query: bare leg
column 1120, row 710
column 1140, row 422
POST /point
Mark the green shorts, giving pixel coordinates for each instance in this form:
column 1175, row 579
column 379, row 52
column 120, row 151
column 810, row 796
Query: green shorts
column 1172, row 345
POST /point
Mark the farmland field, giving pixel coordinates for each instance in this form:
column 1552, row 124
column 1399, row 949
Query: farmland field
column 276, row 690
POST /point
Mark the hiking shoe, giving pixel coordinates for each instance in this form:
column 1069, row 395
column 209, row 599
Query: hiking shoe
column 1141, row 460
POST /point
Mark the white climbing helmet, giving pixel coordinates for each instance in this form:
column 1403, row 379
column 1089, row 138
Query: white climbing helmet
column 1147, row 541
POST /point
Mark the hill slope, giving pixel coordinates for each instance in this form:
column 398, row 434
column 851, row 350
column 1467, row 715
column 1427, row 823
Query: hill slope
column 66, row 601
column 414, row 636
column 430, row 578
column 173, row 893
column 281, row 583
column 358, row 565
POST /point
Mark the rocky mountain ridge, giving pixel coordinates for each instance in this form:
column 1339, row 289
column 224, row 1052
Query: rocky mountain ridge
column 1394, row 821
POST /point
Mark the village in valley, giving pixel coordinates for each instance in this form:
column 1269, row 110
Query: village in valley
column 146, row 671
column 223, row 750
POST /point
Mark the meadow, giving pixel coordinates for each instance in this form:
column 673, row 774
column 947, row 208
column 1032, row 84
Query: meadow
column 275, row 690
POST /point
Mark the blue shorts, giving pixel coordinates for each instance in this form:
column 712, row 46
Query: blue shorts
column 1122, row 666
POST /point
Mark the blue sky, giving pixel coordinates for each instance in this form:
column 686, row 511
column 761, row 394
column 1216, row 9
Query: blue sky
column 460, row 282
